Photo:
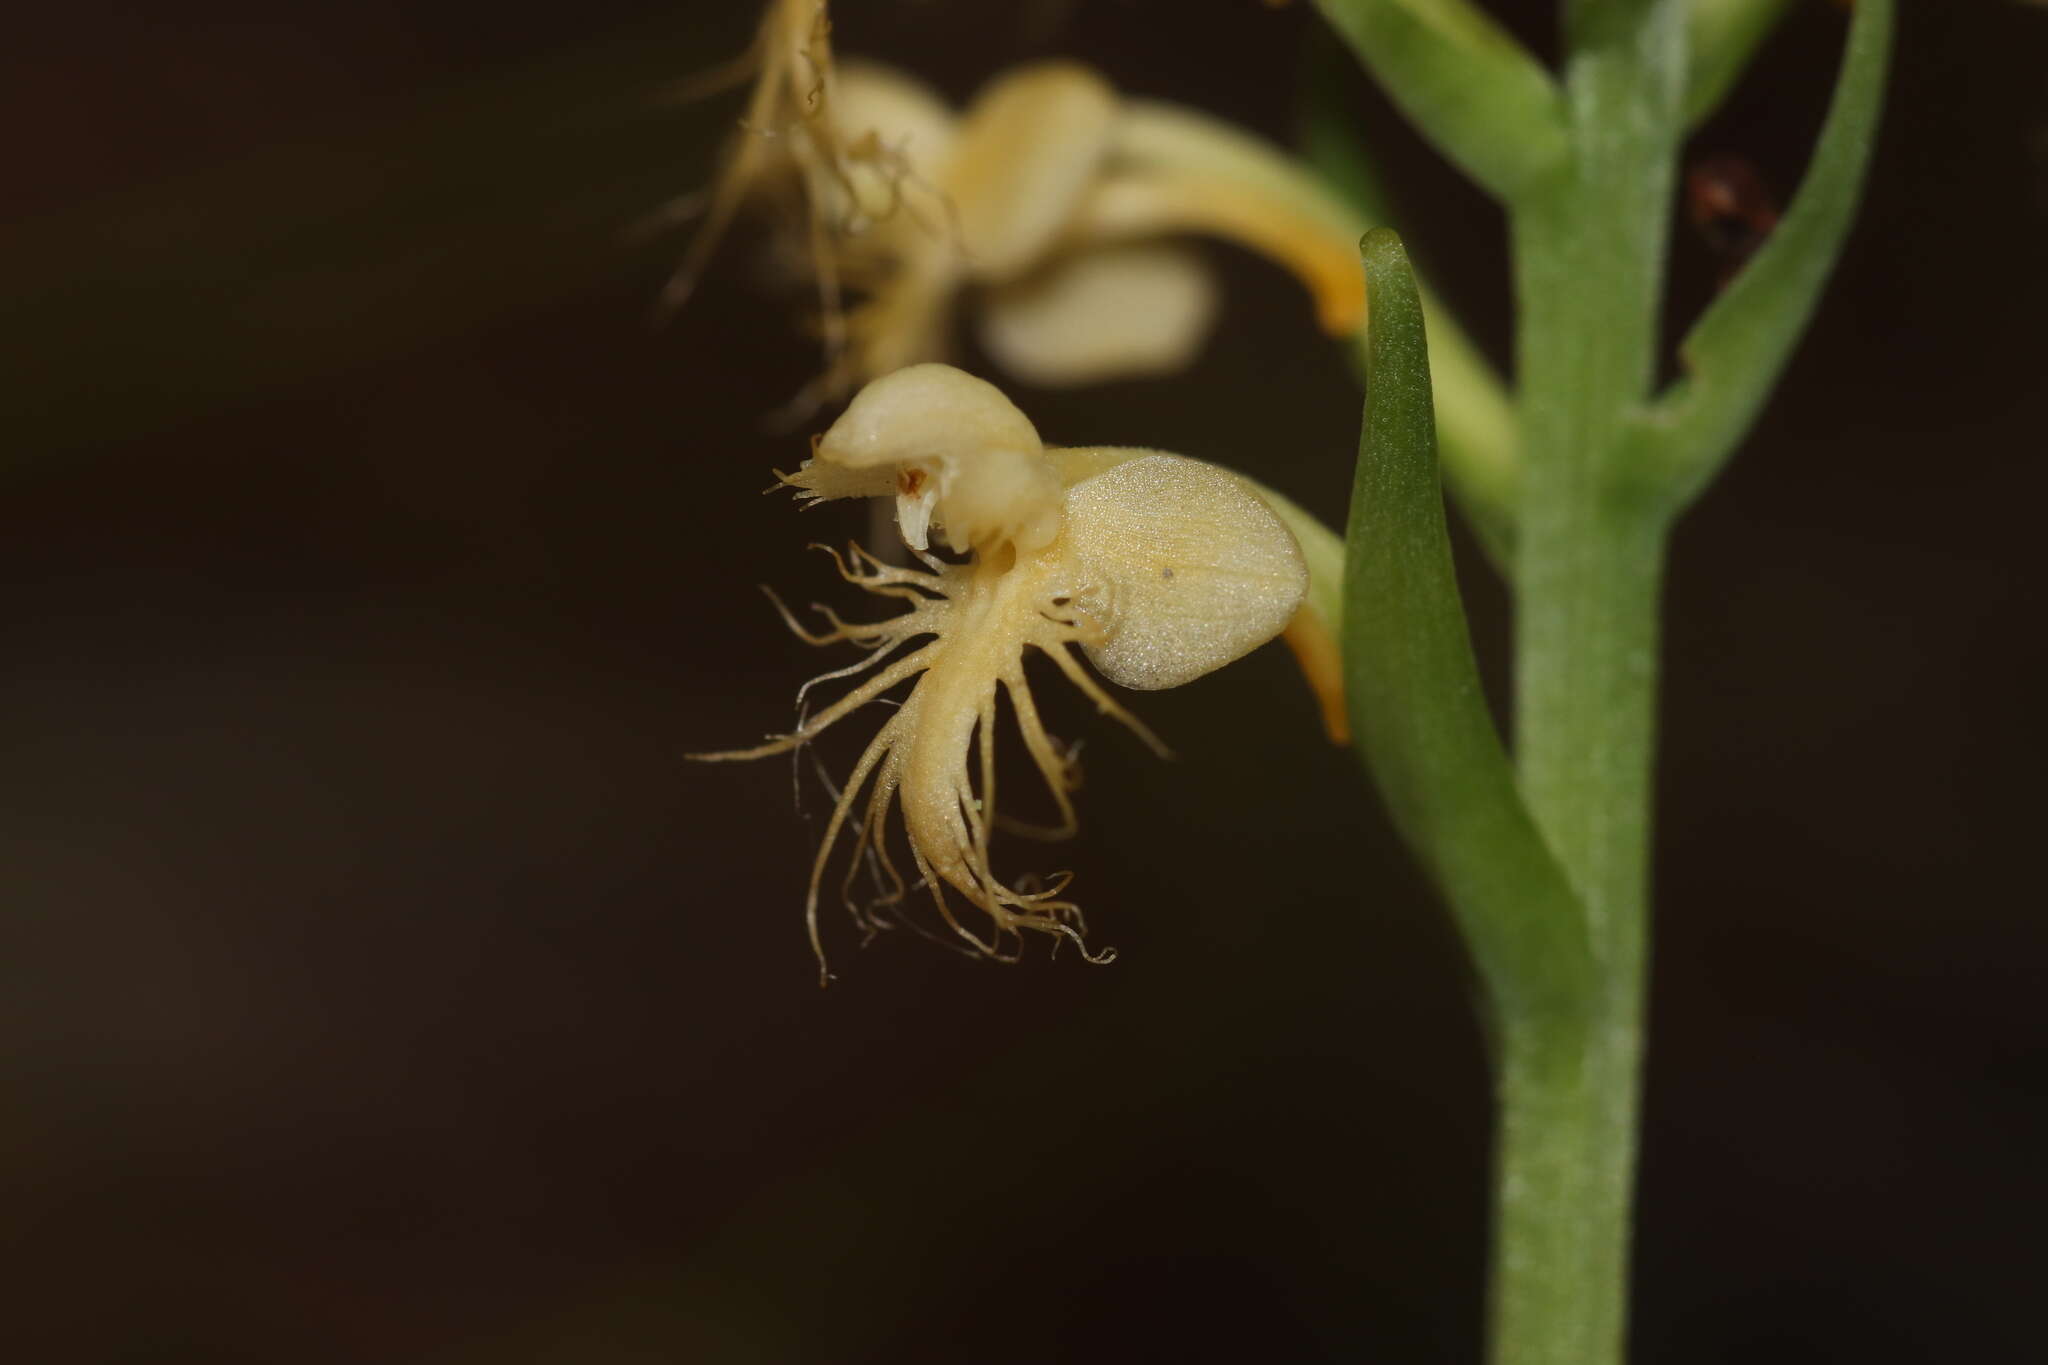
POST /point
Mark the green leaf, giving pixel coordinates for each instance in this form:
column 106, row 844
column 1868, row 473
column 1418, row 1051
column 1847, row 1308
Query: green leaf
column 1474, row 91
column 1476, row 424
column 1736, row 351
column 1418, row 712
column 1721, row 37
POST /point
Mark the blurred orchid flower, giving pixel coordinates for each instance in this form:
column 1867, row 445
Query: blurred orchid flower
column 1052, row 204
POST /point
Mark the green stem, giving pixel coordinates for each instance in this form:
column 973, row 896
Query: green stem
column 1589, row 247
column 1547, row 872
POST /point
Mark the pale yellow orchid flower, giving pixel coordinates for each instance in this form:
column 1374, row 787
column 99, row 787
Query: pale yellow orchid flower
column 1056, row 207
column 1158, row 568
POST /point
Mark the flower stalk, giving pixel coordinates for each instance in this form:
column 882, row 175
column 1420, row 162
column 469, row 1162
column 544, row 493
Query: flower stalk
column 1589, row 247
column 1604, row 467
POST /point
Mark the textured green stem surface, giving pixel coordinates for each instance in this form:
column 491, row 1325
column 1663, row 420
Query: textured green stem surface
column 1589, row 249
column 1545, row 863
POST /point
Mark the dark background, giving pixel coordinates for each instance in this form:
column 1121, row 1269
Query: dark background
column 379, row 983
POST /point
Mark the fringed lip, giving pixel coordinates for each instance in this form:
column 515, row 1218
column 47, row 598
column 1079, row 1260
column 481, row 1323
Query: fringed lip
column 1156, row 568
column 934, row 757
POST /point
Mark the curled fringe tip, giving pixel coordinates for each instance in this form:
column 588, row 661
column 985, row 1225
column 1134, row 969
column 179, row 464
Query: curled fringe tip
column 1067, row 933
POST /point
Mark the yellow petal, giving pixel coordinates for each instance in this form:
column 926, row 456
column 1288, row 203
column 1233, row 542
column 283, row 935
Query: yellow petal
column 1196, row 568
column 1317, row 630
column 1112, row 313
column 1174, row 170
column 1028, row 147
column 1320, row 656
column 1124, row 207
column 961, row 454
column 1076, row 464
column 1152, row 135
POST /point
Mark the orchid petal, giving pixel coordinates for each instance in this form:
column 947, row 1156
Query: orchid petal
column 1173, row 169
column 959, row 452
column 1127, row 207
column 1113, row 313
column 1196, row 568
column 1028, row 148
